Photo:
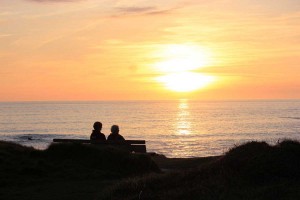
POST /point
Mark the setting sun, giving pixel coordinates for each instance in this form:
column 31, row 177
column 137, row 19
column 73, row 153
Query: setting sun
column 181, row 57
column 178, row 63
column 185, row 81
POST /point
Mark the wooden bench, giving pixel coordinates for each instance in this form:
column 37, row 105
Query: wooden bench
column 137, row 146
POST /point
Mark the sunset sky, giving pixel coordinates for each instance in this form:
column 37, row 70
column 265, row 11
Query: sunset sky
column 149, row 50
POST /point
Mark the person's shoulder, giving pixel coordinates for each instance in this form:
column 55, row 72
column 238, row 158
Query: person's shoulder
column 121, row 137
column 92, row 134
column 110, row 136
column 103, row 135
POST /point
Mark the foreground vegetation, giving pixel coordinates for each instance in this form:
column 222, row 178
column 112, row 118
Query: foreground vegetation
column 65, row 171
column 254, row 170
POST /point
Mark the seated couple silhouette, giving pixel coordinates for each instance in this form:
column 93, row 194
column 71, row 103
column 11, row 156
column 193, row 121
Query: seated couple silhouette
column 113, row 136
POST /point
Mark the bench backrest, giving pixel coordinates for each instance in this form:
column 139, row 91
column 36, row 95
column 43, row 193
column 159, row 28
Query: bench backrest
column 138, row 146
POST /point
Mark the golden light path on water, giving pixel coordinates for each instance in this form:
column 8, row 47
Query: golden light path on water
column 183, row 115
column 183, row 129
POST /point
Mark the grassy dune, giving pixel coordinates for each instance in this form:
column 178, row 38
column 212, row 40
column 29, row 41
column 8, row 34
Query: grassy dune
column 254, row 170
column 65, row 171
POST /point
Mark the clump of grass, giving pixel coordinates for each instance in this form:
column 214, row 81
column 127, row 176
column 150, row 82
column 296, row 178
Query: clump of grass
column 66, row 171
column 72, row 160
column 254, row 170
column 258, row 162
column 109, row 159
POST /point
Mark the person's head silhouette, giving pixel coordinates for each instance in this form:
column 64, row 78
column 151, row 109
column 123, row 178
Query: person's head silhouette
column 97, row 126
column 114, row 129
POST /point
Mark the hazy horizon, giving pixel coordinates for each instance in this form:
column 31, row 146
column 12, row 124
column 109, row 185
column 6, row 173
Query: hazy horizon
column 150, row 100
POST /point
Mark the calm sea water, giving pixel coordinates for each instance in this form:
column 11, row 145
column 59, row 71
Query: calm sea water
column 174, row 128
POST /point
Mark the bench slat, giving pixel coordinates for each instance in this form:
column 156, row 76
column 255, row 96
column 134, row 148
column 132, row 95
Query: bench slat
column 101, row 142
column 137, row 146
column 72, row 140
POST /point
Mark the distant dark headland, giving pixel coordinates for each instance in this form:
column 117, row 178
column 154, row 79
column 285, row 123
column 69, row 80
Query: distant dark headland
column 254, row 170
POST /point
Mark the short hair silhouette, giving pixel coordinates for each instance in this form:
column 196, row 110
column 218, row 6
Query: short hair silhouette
column 115, row 129
column 115, row 134
column 96, row 133
column 97, row 125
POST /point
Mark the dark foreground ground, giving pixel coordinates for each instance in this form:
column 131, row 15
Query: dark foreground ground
column 254, row 170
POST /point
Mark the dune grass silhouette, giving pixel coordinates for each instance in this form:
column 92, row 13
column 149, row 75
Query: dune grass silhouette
column 254, row 170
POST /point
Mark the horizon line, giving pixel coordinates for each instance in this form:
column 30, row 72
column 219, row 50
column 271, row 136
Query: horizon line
column 157, row 100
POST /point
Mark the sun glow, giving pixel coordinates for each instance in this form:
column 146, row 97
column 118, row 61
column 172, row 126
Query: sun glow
column 185, row 81
column 178, row 64
column 178, row 58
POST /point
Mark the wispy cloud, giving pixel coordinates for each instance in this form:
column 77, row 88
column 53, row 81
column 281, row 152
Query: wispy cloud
column 149, row 10
column 136, row 9
column 5, row 35
column 56, row 1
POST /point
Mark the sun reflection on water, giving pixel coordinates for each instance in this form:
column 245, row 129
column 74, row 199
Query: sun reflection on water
column 183, row 118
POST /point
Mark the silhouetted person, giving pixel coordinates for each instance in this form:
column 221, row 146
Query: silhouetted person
column 115, row 136
column 96, row 134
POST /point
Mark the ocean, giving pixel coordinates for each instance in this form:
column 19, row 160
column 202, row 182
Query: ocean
column 180, row 128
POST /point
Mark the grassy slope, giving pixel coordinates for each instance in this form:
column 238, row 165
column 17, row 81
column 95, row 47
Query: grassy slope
column 251, row 171
column 65, row 171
